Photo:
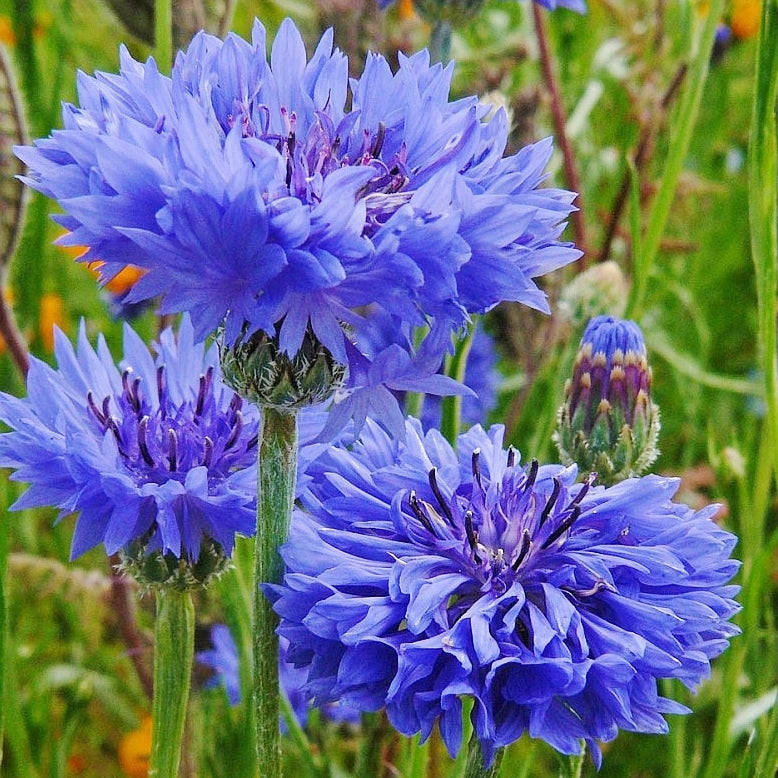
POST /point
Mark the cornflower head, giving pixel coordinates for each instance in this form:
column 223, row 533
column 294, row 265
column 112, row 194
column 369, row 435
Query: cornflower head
column 417, row 575
column 276, row 207
column 156, row 456
column 608, row 423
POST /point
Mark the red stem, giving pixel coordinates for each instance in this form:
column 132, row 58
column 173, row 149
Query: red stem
column 17, row 347
column 572, row 179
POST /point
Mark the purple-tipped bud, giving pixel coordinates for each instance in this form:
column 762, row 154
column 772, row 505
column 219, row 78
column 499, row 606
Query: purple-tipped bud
column 608, row 423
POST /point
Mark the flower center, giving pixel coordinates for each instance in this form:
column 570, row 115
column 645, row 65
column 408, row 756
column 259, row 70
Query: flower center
column 167, row 441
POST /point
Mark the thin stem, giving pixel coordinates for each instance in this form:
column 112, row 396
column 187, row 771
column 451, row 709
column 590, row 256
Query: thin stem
column 572, row 179
column 641, row 157
column 763, row 207
column 440, row 41
column 124, row 608
column 4, row 532
column 173, row 655
column 451, row 406
column 17, row 346
column 163, row 34
column 682, row 128
column 475, row 767
column 275, row 498
column 225, row 23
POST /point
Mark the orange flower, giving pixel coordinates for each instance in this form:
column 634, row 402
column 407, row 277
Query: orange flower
column 745, row 18
column 405, row 9
column 123, row 281
column 7, row 35
column 52, row 311
column 135, row 750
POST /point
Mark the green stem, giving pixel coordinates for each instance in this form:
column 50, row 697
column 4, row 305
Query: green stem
column 763, row 206
column 475, row 767
column 571, row 766
column 277, row 475
column 173, row 654
column 440, row 41
column 4, row 530
column 163, row 34
column 451, row 406
column 683, row 124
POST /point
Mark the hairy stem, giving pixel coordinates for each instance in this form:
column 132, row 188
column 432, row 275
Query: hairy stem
column 173, row 656
column 277, row 474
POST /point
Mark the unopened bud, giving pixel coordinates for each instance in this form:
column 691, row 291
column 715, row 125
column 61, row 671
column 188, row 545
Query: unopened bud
column 608, row 423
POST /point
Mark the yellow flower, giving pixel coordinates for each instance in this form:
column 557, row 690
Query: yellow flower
column 405, row 9
column 745, row 18
column 135, row 749
column 52, row 311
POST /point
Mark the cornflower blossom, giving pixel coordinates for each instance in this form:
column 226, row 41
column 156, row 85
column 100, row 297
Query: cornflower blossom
column 157, row 457
column 223, row 659
column 254, row 199
column 417, row 576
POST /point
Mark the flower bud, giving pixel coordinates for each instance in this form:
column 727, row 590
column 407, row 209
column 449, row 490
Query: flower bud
column 153, row 569
column 258, row 370
column 608, row 423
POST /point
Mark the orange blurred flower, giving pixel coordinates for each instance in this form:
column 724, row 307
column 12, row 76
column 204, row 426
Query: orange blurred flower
column 135, row 750
column 123, row 281
column 405, row 9
column 745, row 18
column 7, row 35
column 52, row 311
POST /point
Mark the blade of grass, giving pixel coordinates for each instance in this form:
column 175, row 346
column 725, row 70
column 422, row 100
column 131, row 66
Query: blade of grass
column 762, row 172
column 682, row 127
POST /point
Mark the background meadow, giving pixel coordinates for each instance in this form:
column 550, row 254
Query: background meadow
column 659, row 131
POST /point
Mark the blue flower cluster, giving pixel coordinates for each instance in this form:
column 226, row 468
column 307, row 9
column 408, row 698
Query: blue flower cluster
column 417, row 575
column 254, row 199
column 156, row 449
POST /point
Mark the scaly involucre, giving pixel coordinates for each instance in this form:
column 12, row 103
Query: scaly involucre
column 417, row 576
column 253, row 198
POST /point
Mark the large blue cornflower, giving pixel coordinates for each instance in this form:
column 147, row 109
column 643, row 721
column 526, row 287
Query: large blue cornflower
column 155, row 453
column 256, row 200
column 417, row 576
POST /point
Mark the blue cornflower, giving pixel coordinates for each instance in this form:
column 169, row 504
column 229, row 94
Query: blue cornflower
column 255, row 200
column 222, row 658
column 417, row 576
column 155, row 456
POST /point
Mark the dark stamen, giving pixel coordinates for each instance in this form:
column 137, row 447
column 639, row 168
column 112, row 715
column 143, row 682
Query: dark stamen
column 143, row 427
column 162, row 391
column 137, row 396
column 433, row 479
column 511, row 456
column 208, row 451
column 106, row 409
column 477, row 467
column 236, row 430
column 252, row 442
column 472, row 535
column 563, row 527
column 532, row 474
column 585, row 486
column 551, row 502
column 236, row 403
column 93, row 407
column 523, row 548
column 419, row 513
column 205, row 381
column 172, row 450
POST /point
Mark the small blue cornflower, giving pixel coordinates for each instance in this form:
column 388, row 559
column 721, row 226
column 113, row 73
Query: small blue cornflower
column 417, row 575
column 273, row 195
column 156, row 456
